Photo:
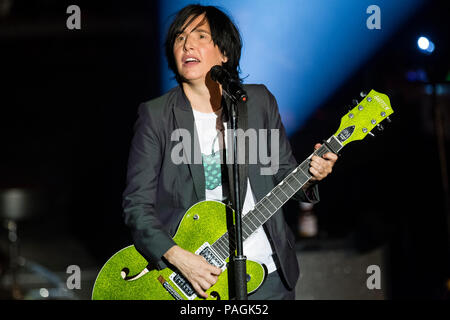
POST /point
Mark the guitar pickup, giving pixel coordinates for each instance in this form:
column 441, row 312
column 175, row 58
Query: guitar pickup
column 208, row 253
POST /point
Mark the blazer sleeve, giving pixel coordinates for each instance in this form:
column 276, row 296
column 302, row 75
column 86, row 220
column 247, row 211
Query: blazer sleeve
column 287, row 162
column 150, row 237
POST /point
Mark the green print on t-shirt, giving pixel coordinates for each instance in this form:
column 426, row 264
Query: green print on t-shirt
column 213, row 175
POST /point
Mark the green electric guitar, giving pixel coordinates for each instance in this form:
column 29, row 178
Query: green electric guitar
column 204, row 229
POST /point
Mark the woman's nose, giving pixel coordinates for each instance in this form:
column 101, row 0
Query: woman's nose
column 188, row 43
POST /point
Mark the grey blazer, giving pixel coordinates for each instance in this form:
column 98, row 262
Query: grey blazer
column 158, row 191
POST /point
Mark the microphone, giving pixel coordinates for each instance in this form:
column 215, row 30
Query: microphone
column 231, row 87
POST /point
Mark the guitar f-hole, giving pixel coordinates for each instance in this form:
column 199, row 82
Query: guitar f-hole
column 215, row 295
column 125, row 271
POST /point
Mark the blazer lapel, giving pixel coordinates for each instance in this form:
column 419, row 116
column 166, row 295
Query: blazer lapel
column 184, row 118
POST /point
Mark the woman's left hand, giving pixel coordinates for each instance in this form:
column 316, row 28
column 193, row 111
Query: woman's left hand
column 320, row 168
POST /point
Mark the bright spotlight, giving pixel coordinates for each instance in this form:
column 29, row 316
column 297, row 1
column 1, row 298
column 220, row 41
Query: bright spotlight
column 425, row 44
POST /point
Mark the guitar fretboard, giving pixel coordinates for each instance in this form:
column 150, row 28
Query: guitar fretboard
column 274, row 200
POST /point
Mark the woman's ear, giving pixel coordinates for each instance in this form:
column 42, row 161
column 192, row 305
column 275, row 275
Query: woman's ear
column 224, row 58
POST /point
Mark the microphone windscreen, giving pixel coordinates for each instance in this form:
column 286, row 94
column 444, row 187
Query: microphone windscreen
column 217, row 73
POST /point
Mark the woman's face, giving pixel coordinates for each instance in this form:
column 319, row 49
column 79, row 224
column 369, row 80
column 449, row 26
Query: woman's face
column 195, row 52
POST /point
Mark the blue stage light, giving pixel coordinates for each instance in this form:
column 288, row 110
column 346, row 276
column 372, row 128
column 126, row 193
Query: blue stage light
column 425, row 44
column 302, row 50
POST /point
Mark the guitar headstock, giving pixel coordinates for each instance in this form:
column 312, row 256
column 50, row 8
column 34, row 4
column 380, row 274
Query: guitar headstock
column 364, row 117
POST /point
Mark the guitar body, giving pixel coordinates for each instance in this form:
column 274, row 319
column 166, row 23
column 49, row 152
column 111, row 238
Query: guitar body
column 125, row 275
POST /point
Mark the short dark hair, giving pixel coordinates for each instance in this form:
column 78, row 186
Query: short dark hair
column 224, row 34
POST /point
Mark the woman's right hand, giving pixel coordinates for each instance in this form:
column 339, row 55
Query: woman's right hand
column 194, row 268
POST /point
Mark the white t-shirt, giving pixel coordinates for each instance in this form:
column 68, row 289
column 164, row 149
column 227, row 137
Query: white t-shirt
column 211, row 131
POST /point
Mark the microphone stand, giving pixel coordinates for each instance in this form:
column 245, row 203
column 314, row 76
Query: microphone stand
column 239, row 260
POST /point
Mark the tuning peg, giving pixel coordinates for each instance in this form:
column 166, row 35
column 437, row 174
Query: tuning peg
column 355, row 102
column 371, row 134
column 388, row 119
column 380, row 127
column 363, row 94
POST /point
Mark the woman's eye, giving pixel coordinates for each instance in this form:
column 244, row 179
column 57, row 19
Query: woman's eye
column 203, row 36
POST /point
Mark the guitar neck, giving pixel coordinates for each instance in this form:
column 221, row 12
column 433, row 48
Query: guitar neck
column 275, row 199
